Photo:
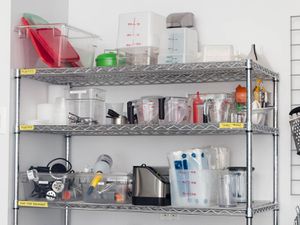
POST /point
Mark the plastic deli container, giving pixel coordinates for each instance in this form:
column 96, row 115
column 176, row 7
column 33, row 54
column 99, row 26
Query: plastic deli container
column 56, row 45
column 87, row 105
column 50, row 187
column 112, row 189
column 260, row 116
column 139, row 38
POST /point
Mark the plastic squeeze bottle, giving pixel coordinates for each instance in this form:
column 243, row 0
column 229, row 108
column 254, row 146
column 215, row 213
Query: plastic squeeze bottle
column 260, row 93
column 198, row 109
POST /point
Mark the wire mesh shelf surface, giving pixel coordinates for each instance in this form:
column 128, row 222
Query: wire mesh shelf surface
column 240, row 210
column 150, row 74
column 151, row 130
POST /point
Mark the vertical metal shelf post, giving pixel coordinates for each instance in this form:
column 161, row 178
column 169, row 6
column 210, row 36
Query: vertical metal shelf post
column 67, row 218
column 17, row 148
column 249, row 133
column 275, row 151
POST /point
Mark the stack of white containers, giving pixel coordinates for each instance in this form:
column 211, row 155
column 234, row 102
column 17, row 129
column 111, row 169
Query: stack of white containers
column 139, row 38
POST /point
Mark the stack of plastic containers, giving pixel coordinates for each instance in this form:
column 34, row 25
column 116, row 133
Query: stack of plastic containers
column 179, row 42
column 194, row 175
column 139, row 37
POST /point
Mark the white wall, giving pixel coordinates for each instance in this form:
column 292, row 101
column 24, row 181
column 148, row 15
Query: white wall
column 240, row 23
column 4, row 104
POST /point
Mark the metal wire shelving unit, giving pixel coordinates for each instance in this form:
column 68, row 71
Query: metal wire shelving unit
column 244, row 70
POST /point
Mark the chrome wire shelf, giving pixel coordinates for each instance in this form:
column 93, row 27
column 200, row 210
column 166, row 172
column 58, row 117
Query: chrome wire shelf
column 151, row 74
column 240, row 210
column 150, row 130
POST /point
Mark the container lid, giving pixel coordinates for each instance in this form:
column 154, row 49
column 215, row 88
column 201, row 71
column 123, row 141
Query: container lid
column 105, row 56
column 239, row 168
column 176, row 20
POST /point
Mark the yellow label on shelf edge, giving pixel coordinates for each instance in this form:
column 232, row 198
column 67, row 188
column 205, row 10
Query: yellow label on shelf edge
column 231, row 125
column 25, row 72
column 26, row 127
column 33, row 204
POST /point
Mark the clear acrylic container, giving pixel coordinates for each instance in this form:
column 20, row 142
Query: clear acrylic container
column 260, row 116
column 179, row 58
column 140, row 29
column 193, row 188
column 87, row 104
column 175, row 110
column 194, row 175
column 139, row 38
column 112, row 189
column 56, row 45
column 50, row 187
column 239, row 176
column 147, row 110
column 137, row 56
column 227, row 189
column 178, row 45
column 217, row 107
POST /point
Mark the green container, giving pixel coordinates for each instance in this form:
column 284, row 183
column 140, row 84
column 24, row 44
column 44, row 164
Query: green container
column 107, row 59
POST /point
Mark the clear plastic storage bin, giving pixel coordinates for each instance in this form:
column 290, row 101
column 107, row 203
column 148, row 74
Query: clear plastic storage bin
column 87, row 105
column 260, row 116
column 112, row 189
column 50, row 187
column 138, row 56
column 139, row 38
column 194, row 188
column 56, row 45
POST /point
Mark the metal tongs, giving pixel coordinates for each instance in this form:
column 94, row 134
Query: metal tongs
column 81, row 120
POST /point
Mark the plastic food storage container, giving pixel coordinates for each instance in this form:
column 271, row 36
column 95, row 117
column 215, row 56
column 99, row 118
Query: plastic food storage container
column 217, row 107
column 173, row 110
column 137, row 56
column 50, row 187
column 178, row 45
column 194, row 175
column 87, row 105
column 227, row 189
column 112, row 189
column 56, row 45
column 260, row 116
column 139, row 37
column 147, row 110
column 193, row 188
column 239, row 177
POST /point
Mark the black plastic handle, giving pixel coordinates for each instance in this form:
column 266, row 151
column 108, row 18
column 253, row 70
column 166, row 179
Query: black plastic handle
column 113, row 113
column 161, row 108
column 130, row 112
column 295, row 110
